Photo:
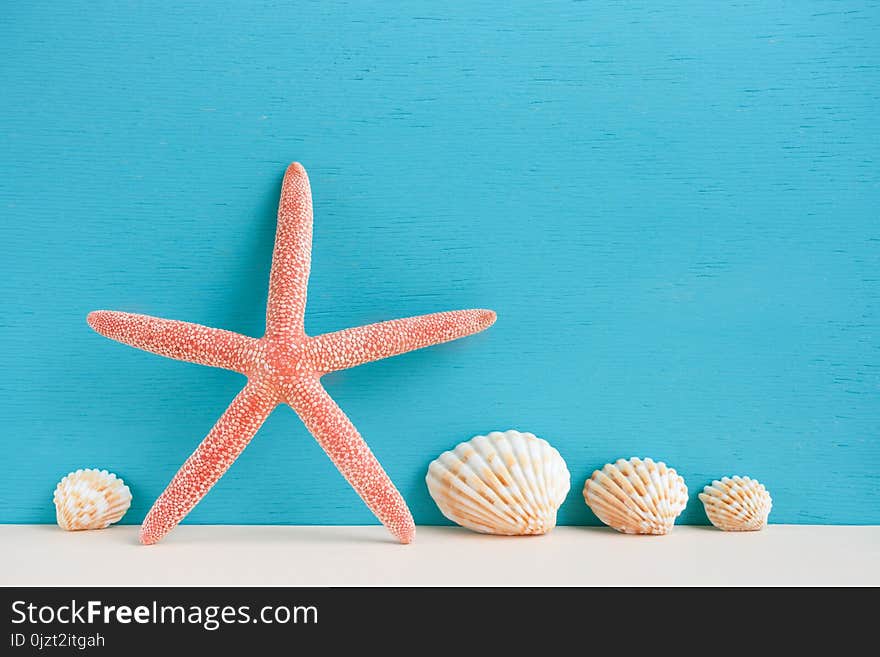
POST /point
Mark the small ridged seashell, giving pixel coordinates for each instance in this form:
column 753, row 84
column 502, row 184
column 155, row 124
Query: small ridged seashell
column 737, row 504
column 507, row 483
column 636, row 496
column 90, row 499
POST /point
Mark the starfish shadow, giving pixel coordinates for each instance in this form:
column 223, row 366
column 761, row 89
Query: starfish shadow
column 275, row 534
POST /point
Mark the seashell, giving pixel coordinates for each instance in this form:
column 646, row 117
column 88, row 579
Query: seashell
column 636, row 496
column 90, row 499
column 737, row 504
column 507, row 483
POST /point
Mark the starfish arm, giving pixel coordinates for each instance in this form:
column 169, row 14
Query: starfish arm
column 179, row 340
column 352, row 456
column 209, row 462
column 291, row 259
column 355, row 346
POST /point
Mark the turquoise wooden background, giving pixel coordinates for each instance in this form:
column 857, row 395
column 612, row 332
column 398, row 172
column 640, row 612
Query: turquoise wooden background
column 672, row 206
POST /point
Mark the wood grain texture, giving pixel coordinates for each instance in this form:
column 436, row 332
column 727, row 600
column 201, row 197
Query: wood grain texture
column 673, row 208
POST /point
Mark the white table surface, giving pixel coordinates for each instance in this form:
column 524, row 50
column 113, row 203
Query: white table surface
column 44, row 555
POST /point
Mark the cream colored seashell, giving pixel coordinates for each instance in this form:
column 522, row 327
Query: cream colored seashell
column 90, row 499
column 507, row 483
column 636, row 496
column 737, row 504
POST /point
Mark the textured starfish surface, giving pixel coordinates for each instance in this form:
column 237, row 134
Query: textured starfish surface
column 284, row 366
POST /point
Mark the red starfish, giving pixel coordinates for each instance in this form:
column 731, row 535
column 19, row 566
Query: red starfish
column 284, row 366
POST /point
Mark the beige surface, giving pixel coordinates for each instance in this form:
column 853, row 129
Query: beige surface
column 260, row 555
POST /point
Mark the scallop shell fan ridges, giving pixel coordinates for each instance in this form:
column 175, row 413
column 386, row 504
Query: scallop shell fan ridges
column 508, row 483
column 636, row 496
column 90, row 499
column 737, row 504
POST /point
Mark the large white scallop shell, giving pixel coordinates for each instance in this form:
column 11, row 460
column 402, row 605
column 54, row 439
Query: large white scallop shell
column 90, row 499
column 737, row 504
column 507, row 483
column 636, row 496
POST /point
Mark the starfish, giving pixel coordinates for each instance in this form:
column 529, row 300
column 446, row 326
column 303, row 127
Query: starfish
column 284, row 366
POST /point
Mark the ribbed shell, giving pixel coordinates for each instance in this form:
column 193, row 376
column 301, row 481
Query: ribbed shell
column 636, row 496
column 737, row 504
column 508, row 483
column 90, row 499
